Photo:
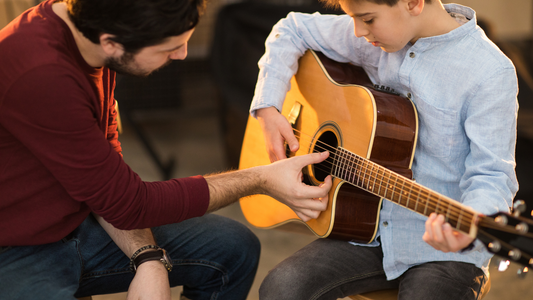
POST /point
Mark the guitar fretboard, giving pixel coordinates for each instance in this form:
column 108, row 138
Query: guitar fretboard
column 385, row 183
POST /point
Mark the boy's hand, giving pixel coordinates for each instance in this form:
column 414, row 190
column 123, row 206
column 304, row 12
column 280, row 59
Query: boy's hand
column 276, row 130
column 441, row 236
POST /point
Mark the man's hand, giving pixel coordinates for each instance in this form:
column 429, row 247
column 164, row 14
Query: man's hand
column 283, row 181
column 151, row 278
column 276, row 130
column 150, row 282
column 441, row 236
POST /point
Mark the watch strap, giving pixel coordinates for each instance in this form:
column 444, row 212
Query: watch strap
column 159, row 254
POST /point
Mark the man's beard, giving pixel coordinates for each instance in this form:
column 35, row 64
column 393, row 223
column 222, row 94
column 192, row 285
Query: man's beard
column 125, row 65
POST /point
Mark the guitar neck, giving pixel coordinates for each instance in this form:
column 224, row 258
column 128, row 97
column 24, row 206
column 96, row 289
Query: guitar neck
column 387, row 184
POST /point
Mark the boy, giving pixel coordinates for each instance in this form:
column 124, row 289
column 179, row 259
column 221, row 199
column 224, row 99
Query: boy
column 464, row 90
column 61, row 163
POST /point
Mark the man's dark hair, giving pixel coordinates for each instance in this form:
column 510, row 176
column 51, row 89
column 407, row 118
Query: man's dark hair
column 135, row 24
column 336, row 4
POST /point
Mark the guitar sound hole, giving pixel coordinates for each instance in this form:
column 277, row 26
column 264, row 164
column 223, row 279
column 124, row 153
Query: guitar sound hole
column 326, row 142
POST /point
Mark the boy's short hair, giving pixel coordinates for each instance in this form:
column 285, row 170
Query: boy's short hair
column 135, row 24
column 336, row 3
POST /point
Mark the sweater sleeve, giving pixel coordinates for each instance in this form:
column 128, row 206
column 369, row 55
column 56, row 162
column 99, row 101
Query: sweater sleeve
column 59, row 121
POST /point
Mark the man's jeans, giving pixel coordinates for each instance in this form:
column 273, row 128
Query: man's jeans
column 213, row 258
column 329, row 269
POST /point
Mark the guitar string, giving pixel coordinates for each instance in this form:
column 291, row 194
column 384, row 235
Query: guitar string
column 361, row 163
column 451, row 211
column 486, row 222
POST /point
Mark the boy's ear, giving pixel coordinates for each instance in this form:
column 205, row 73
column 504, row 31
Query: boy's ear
column 110, row 47
column 415, row 7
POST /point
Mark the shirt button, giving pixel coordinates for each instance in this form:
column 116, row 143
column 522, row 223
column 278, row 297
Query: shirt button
column 277, row 35
column 412, row 55
column 385, row 223
column 409, row 95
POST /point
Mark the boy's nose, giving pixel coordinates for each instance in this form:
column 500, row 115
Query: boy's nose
column 360, row 30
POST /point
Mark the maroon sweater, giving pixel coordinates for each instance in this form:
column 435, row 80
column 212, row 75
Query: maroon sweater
column 59, row 151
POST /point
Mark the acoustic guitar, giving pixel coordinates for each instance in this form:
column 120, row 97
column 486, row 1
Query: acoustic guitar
column 371, row 134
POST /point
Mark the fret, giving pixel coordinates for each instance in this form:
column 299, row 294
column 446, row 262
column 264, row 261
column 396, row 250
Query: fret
column 372, row 183
column 355, row 160
column 410, row 194
column 334, row 166
column 363, row 184
column 388, row 184
column 340, row 164
column 417, row 200
column 373, row 176
column 448, row 213
column 336, row 161
column 458, row 225
column 355, row 174
column 426, row 208
column 359, row 173
column 394, row 186
column 437, row 206
column 345, row 167
column 381, row 180
column 402, row 192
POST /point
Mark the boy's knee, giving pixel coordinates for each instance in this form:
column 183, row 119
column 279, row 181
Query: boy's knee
column 281, row 283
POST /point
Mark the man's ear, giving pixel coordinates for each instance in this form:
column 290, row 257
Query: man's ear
column 414, row 7
column 109, row 46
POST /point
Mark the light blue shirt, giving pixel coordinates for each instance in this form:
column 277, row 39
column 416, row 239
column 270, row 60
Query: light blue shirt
column 464, row 89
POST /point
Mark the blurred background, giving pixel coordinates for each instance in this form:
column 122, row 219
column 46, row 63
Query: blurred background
column 189, row 118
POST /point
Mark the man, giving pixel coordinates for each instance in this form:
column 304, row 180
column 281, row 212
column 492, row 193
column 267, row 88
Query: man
column 69, row 203
column 465, row 92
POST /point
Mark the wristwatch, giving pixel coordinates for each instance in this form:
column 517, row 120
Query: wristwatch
column 159, row 254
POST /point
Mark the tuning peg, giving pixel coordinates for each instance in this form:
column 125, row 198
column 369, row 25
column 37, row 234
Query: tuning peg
column 501, row 220
column 495, row 246
column 504, row 264
column 522, row 227
column 519, row 206
column 515, row 254
column 523, row 272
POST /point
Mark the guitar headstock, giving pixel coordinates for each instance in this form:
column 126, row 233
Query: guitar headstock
column 509, row 235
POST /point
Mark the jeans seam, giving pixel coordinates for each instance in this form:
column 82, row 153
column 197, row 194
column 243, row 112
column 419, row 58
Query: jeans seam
column 80, row 257
column 105, row 272
column 209, row 264
column 341, row 282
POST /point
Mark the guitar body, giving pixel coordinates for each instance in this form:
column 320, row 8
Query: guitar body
column 336, row 105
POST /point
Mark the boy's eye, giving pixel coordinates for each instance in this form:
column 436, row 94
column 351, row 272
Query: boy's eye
column 368, row 21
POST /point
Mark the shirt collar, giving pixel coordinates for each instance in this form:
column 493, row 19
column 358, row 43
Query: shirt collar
column 463, row 30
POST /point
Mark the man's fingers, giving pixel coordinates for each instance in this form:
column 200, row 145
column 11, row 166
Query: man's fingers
column 313, row 158
column 307, row 214
column 320, row 204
